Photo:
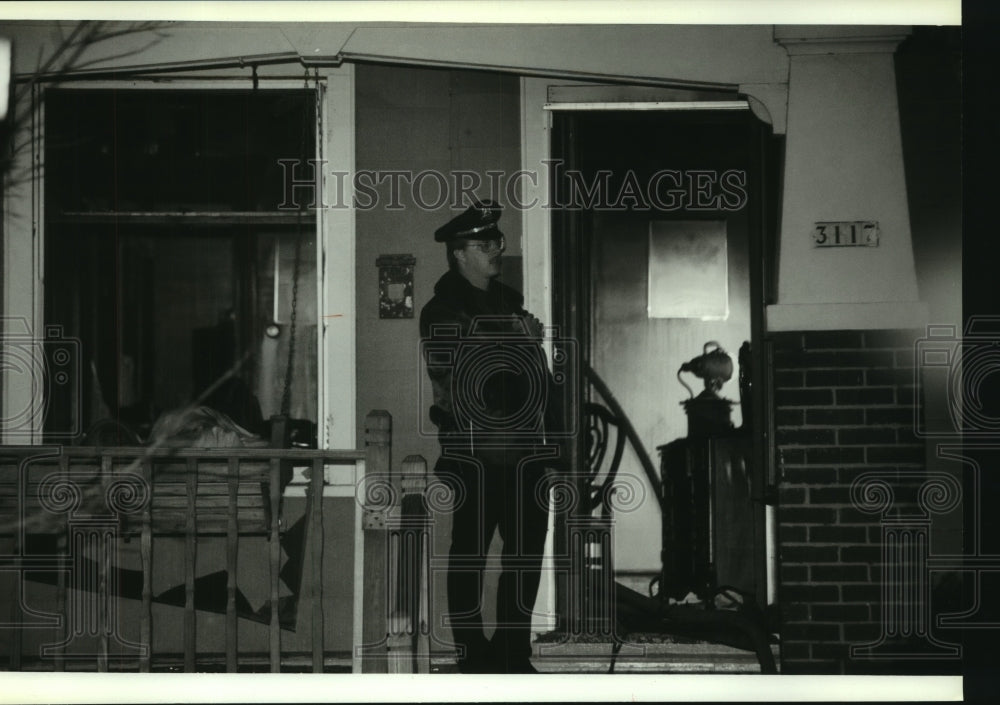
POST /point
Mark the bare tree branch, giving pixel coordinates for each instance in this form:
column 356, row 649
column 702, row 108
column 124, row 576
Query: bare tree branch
column 65, row 59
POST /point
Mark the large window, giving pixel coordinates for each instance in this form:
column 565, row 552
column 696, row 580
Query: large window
column 171, row 255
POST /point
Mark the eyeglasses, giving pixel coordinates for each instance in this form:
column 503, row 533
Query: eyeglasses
column 488, row 247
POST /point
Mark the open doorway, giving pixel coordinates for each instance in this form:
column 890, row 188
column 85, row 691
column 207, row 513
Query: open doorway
column 660, row 244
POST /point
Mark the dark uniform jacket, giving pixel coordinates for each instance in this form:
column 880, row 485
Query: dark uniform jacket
column 488, row 373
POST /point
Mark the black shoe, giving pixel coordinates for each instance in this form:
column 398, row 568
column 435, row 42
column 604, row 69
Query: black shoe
column 505, row 663
column 475, row 666
column 478, row 659
column 522, row 666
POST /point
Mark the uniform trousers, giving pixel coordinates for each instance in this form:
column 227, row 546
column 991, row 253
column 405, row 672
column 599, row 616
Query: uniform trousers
column 496, row 488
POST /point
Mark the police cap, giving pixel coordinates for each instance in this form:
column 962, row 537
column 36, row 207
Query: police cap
column 478, row 222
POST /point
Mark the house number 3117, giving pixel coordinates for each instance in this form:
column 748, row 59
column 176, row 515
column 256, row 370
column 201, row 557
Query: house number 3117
column 846, row 233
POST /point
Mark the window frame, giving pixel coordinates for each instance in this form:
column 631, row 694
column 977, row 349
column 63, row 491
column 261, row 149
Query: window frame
column 23, row 262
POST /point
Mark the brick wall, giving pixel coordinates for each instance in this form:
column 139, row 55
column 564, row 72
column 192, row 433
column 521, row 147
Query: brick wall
column 844, row 404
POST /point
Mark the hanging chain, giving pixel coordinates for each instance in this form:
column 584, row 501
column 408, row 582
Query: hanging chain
column 286, row 394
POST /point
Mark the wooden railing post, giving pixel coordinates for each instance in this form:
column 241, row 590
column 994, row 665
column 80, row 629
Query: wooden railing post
column 317, row 539
column 232, row 556
column 274, row 563
column 409, row 633
column 146, row 557
column 103, row 596
column 16, row 613
column 415, row 506
column 63, row 548
column 399, row 650
column 190, row 561
column 378, row 459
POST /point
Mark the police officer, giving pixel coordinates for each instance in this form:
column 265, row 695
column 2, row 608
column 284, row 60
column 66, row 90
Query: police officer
column 491, row 397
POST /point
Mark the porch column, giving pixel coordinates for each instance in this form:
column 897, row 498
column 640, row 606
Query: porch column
column 844, row 162
column 22, row 339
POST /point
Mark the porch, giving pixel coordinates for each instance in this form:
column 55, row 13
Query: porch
column 161, row 559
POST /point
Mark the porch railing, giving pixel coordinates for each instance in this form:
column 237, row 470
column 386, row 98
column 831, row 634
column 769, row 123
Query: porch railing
column 83, row 502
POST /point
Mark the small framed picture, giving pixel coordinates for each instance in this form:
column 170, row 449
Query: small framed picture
column 395, row 286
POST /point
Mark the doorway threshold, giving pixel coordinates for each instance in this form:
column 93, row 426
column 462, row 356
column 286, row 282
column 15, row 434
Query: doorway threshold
column 642, row 653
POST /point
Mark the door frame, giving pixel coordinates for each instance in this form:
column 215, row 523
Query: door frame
column 537, row 217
